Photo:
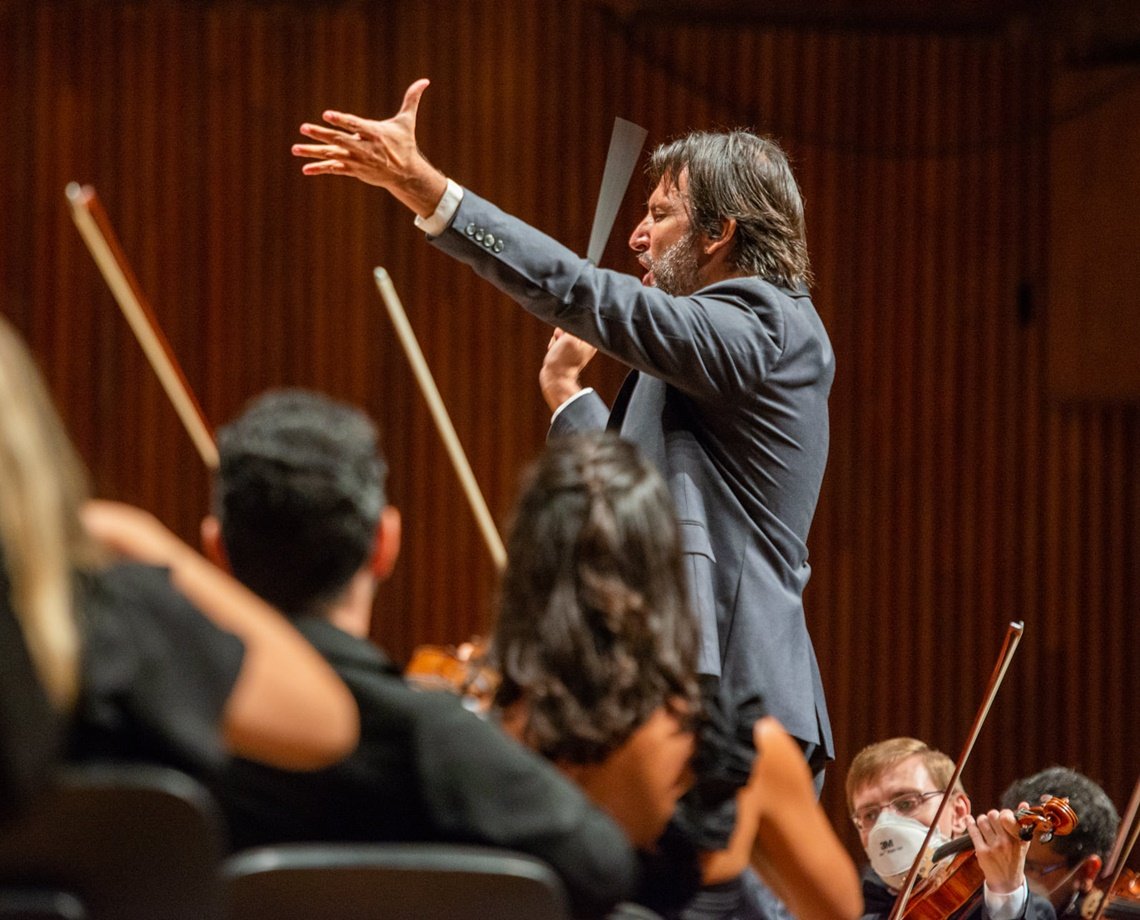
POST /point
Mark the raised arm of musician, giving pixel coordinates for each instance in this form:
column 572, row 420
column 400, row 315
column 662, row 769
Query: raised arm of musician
column 288, row 708
column 786, row 836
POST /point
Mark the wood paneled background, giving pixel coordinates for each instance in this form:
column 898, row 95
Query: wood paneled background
column 958, row 495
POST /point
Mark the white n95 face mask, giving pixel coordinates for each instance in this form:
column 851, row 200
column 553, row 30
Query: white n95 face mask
column 893, row 844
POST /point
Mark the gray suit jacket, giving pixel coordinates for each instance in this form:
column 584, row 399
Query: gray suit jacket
column 728, row 397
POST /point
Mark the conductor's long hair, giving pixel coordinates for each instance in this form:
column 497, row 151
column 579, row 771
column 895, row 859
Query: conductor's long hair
column 42, row 544
column 746, row 177
column 594, row 630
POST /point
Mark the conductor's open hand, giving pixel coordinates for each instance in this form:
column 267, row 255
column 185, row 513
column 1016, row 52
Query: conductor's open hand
column 382, row 153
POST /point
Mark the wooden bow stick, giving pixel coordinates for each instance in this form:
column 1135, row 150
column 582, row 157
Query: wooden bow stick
column 95, row 228
column 442, row 419
column 1009, row 646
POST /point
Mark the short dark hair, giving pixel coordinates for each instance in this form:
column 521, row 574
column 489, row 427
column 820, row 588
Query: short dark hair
column 1097, row 816
column 744, row 176
column 298, row 494
column 594, row 629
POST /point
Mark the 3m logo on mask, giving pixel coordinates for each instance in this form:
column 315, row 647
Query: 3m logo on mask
column 885, row 846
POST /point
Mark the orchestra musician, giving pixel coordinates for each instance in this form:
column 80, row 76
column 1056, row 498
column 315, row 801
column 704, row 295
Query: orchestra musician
column 596, row 648
column 1065, row 868
column 166, row 660
column 893, row 791
column 731, row 369
column 300, row 516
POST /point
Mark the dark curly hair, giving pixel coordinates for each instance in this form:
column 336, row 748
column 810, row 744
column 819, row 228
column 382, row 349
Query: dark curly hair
column 1098, row 817
column 594, row 628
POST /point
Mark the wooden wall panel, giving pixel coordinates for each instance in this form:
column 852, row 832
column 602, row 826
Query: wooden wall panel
column 1094, row 231
column 958, row 497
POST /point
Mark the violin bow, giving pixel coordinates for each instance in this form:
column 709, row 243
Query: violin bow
column 1121, row 850
column 625, row 147
column 1009, row 646
column 95, row 228
column 442, row 420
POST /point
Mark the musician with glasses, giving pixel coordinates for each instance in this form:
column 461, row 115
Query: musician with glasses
column 893, row 791
column 1065, row 868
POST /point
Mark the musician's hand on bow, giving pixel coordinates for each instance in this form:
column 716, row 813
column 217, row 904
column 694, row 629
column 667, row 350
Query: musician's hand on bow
column 566, row 357
column 1000, row 849
column 382, row 153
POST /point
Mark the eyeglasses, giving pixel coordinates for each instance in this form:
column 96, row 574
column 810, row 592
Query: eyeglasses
column 904, row 804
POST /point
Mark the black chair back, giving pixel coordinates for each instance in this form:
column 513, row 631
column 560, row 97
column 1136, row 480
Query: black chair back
column 114, row 842
column 399, row 881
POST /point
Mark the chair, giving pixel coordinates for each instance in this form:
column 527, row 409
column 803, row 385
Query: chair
column 114, row 842
column 398, row 881
column 631, row 911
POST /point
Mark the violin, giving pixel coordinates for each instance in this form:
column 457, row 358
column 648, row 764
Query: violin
column 1123, row 899
column 459, row 669
column 1121, row 895
column 954, row 883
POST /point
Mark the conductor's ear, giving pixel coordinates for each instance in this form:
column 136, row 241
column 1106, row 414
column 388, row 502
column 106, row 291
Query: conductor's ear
column 720, row 237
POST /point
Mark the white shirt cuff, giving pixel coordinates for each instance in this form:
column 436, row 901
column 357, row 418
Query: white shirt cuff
column 1006, row 906
column 567, row 402
column 444, row 211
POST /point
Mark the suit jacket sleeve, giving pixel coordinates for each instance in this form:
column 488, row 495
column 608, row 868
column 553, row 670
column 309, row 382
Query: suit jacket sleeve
column 586, row 413
column 721, row 341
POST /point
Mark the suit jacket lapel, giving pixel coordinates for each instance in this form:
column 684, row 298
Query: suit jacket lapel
column 621, row 402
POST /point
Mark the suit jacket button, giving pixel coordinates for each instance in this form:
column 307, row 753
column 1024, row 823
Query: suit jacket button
column 470, row 230
column 488, row 240
column 479, row 235
column 498, row 247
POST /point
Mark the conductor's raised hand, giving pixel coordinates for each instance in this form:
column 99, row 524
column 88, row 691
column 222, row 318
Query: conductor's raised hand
column 382, row 153
column 566, row 358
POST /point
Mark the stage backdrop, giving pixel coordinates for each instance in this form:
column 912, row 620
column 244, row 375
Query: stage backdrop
column 958, row 495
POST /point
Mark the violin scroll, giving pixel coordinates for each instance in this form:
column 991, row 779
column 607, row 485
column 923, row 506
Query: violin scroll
column 1054, row 818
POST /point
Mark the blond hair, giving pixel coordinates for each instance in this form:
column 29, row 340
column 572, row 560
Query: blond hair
column 877, row 758
column 42, row 487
